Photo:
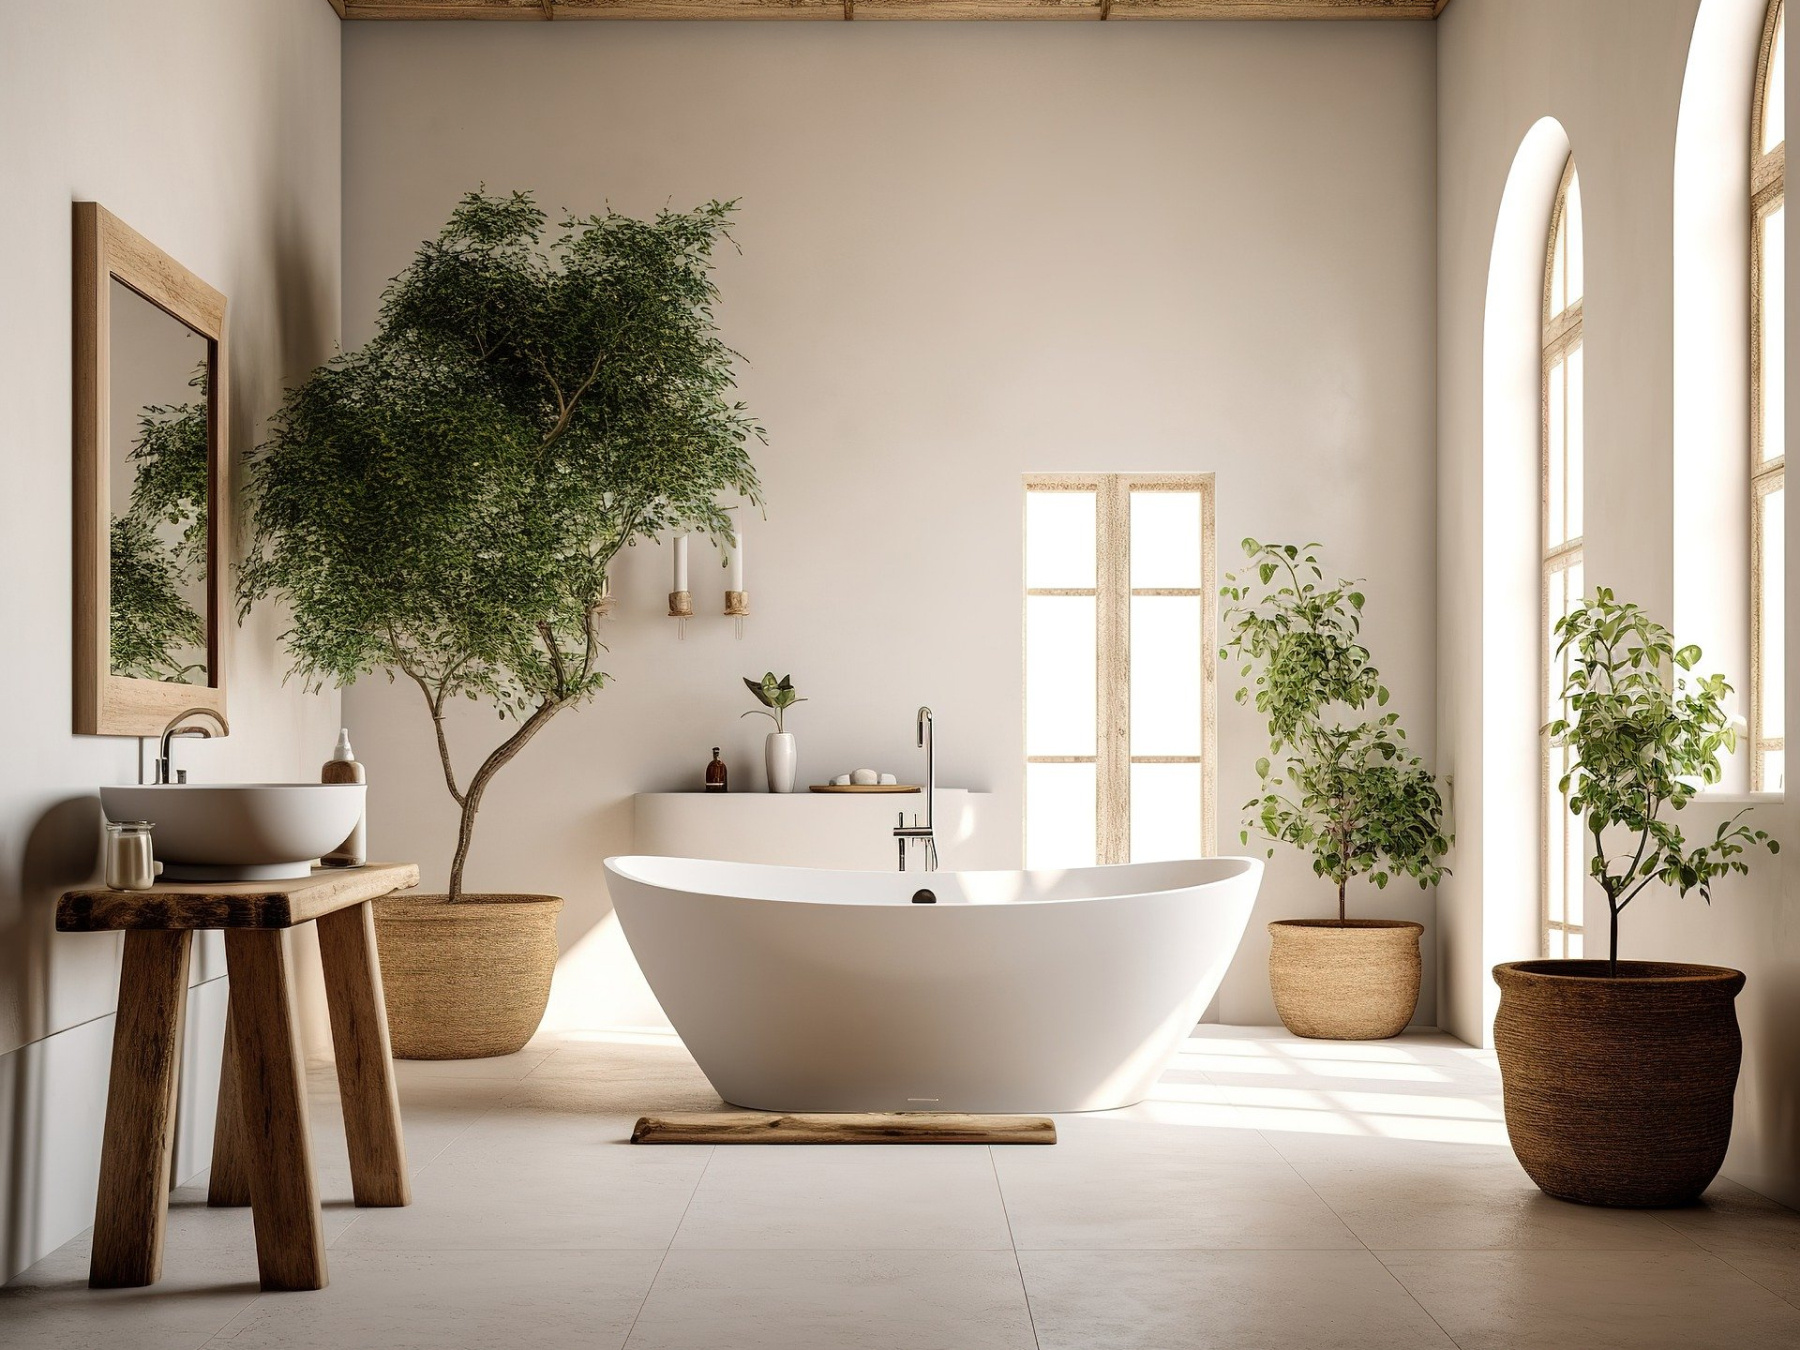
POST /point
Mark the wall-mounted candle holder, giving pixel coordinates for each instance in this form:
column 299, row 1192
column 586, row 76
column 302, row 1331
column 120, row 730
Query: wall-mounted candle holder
column 681, row 600
column 737, row 599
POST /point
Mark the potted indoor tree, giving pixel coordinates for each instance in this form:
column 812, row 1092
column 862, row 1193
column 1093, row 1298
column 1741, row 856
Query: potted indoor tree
column 1340, row 784
column 1618, row 1075
column 445, row 505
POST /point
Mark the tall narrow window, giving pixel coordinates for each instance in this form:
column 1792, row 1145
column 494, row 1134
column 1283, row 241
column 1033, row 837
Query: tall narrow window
column 1565, row 855
column 1768, row 448
column 1119, row 683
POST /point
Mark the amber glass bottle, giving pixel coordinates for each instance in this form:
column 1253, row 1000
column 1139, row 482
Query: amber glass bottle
column 715, row 773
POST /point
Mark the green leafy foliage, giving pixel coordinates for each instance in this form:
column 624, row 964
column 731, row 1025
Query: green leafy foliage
column 170, row 468
column 153, row 628
column 1645, row 734
column 776, row 697
column 446, row 501
column 1337, row 784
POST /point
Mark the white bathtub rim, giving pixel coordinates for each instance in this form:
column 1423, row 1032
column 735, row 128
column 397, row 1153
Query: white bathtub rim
column 654, row 871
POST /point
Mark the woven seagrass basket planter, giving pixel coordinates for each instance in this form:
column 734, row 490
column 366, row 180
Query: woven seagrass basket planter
column 469, row 980
column 1352, row 981
column 1618, row 1091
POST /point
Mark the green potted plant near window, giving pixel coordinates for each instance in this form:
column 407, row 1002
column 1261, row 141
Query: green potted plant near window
column 780, row 758
column 1340, row 785
column 445, row 505
column 1618, row 1075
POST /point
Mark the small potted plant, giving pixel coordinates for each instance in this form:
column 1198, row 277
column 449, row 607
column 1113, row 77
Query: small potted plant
column 445, row 505
column 780, row 758
column 1337, row 784
column 1618, row 1076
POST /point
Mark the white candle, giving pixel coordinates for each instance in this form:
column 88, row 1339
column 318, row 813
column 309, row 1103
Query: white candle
column 681, row 562
column 736, row 573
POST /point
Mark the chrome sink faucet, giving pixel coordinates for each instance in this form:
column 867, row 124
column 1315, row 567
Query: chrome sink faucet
column 178, row 726
column 922, row 834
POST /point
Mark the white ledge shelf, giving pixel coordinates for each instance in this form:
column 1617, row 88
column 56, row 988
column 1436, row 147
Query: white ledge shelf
column 816, row 829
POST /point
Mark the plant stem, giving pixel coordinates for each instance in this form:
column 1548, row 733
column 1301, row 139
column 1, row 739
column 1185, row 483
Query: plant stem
column 1341, row 920
column 1612, row 964
column 471, row 801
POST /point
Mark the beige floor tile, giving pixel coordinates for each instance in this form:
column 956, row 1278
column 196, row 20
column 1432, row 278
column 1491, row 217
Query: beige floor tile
column 453, row 1300
column 50, row 1307
column 1774, row 1269
column 597, row 1195
column 737, row 1156
column 669, row 1088
column 1285, row 1300
column 492, row 1066
column 795, row 1300
column 1732, row 1218
column 898, row 1201
column 1144, row 1131
column 1402, row 1194
column 1161, row 1200
column 1595, row 1301
column 549, row 1116
column 218, row 1244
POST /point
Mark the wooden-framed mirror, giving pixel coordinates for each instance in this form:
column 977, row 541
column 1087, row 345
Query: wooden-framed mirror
column 152, row 484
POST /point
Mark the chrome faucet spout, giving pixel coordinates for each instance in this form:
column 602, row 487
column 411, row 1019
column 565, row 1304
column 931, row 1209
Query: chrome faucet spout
column 179, row 726
column 924, row 833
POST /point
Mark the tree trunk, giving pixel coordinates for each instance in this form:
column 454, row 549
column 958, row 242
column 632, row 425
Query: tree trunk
column 1612, row 965
column 503, row 753
column 1341, row 918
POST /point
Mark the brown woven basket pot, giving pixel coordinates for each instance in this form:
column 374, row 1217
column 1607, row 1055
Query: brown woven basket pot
column 1357, row 980
column 468, row 980
column 1618, row 1091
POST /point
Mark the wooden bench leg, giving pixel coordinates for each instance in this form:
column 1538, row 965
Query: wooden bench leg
column 365, row 1061
column 133, row 1205
column 229, row 1185
column 284, row 1196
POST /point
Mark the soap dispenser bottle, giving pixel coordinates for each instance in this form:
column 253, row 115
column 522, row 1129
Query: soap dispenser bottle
column 342, row 767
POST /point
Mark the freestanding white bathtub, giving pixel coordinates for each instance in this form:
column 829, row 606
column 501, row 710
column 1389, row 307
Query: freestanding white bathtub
column 799, row 989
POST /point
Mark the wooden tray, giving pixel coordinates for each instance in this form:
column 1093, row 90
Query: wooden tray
column 865, row 787
column 909, row 1127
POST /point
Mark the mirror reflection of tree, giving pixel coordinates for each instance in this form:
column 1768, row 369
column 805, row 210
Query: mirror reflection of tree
column 158, row 546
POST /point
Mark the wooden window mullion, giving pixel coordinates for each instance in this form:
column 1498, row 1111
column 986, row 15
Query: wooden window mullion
column 1113, row 677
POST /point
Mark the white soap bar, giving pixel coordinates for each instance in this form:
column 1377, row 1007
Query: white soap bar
column 842, row 780
column 888, row 780
column 865, row 777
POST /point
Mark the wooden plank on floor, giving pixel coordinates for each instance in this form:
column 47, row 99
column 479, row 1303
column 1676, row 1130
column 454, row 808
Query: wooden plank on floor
column 875, row 1127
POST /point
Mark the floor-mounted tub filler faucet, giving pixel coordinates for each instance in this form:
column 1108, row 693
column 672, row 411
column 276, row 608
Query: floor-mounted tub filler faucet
column 915, row 832
column 179, row 726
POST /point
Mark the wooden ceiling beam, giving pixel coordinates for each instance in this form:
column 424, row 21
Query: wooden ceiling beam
column 1276, row 9
column 879, row 10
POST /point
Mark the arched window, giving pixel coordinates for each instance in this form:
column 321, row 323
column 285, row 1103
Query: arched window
column 1768, row 461
column 1565, row 855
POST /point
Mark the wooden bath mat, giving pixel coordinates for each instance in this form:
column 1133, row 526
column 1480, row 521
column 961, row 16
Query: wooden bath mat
column 875, row 1127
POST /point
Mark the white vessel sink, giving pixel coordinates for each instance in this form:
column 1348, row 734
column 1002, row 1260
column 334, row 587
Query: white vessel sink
column 239, row 831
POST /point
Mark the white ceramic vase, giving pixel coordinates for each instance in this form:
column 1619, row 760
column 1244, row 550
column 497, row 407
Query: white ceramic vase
column 780, row 759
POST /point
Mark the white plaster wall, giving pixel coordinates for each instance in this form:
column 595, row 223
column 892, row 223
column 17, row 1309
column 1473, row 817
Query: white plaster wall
column 1610, row 71
column 211, row 126
column 968, row 251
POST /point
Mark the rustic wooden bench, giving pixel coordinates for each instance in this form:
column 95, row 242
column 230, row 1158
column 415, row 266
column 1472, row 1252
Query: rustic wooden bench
column 262, row 1145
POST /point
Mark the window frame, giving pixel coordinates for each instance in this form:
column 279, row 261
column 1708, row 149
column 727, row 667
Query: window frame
column 1562, row 338
column 1112, row 594
column 1768, row 194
